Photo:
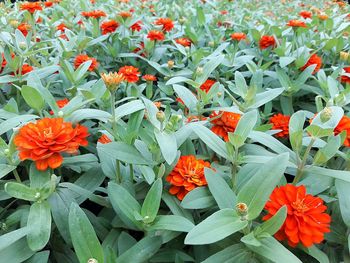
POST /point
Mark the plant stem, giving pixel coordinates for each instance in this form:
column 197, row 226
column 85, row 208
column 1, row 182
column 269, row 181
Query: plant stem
column 131, row 172
column 117, row 173
column 234, row 170
column 15, row 173
column 114, row 128
column 301, row 166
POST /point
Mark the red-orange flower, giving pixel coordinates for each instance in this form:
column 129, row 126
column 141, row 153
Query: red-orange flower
column 305, row 14
column 149, row 77
column 24, row 28
column 267, row 41
column 166, row 23
column 184, row 41
column 224, row 123
column 45, row 140
column 131, row 74
column 109, row 26
column 313, row 60
column 156, row 35
column 48, row 4
column 280, row 122
column 80, row 59
column 61, row 27
column 206, row 86
column 238, row 36
column 94, row 14
column 344, row 125
column 345, row 79
column 104, row 139
column 61, row 103
column 296, row 23
column 137, row 26
column 125, row 14
column 306, row 220
column 31, row 7
column 187, row 175
column 25, row 69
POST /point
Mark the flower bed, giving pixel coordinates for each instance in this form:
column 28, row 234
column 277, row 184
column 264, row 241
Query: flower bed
column 174, row 131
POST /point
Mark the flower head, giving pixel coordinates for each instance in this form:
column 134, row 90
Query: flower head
column 94, row 14
column 238, row 36
column 48, row 4
column 61, row 27
column 306, row 220
column 224, row 122
column 130, row 73
column 104, row 139
column 296, row 23
column 206, row 86
column 155, row 35
column 26, row 68
column 137, row 26
column 112, row 80
column 149, row 77
column 267, row 41
column 109, row 26
column 80, row 59
column 45, row 140
column 344, row 78
column 166, row 23
column 183, row 41
column 280, row 122
column 31, row 7
column 344, row 125
column 24, row 28
column 61, row 103
column 305, row 14
column 187, row 174
column 125, row 14
column 313, row 60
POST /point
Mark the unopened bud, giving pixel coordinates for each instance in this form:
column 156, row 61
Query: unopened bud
column 14, row 23
column 326, row 114
column 60, row 113
column 22, row 45
column 92, row 260
column 211, row 44
column 182, row 20
column 344, row 55
column 219, row 94
column 242, row 210
column 171, row 64
column 37, row 195
column 6, row 151
column 160, row 116
column 199, row 70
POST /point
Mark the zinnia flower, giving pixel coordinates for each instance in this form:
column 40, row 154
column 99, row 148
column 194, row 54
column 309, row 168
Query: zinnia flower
column 187, row 175
column 280, row 122
column 125, row 14
column 149, row 77
column 130, row 73
column 166, row 23
column 227, row 122
column 24, row 28
column 305, row 14
column 94, row 14
column 104, row 139
column 156, row 35
column 25, row 69
column 31, row 7
column 184, row 41
column 45, row 140
column 112, row 80
column 83, row 58
column 238, row 36
column 344, row 125
column 137, row 26
column 206, row 86
column 266, row 42
column 345, row 79
column 313, row 60
column 61, row 103
column 306, row 220
column 296, row 23
column 61, row 27
column 109, row 26
column 48, row 4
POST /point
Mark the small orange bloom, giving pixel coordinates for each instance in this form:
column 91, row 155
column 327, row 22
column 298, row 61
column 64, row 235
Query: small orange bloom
column 109, row 26
column 61, row 27
column 345, row 79
column 131, row 74
column 149, row 77
column 184, row 41
column 48, row 4
column 45, row 140
column 296, row 23
column 137, row 26
column 224, row 124
column 80, row 59
column 25, row 69
column 313, row 60
column 61, row 103
column 94, row 14
column 24, row 28
column 104, row 139
column 155, row 35
column 306, row 220
column 238, row 36
column 193, row 118
column 125, row 14
column 344, row 125
column 31, row 7
column 224, row 12
column 206, row 86
column 166, row 23
column 305, row 14
column 322, row 17
column 280, row 122
column 266, row 42
column 187, row 175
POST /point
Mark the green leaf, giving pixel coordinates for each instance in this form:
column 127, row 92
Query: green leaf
column 11, row 123
column 329, row 150
column 296, row 127
column 241, row 84
column 84, row 239
column 128, row 108
column 232, row 254
column 167, row 144
column 272, row 225
column 12, row 237
column 39, row 223
column 151, row 204
column 250, row 239
column 285, row 61
column 17, row 252
column 257, row 190
column 266, row 96
column 318, row 254
column 186, row 95
column 198, row 198
column 40, row 257
column 21, row 191
column 172, row 223
column 209, row 67
column 5, row 169
column 222, row 193
column 244, row 127
column 337, row 174
column 344, row 199
column 216, row 227
column 33, row 97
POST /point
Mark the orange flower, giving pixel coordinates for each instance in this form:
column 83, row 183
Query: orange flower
column 184, row 41
column 187, row 175
column 227, row 122
column 266, row 42
column 61, row 103
column 125, row 14
column 109, row 26
column 149, row 77
column 48, row 4
column 296, row 23
column 45, row 140
column 83, row 58
column 194, row 118
column 104, row 139
column 305, row 14
column 31, row 7
column 140, row 47
column 137, row 26
column 345, row 79
column 24, row 27
column 280, row 122
column 344, row 125
column 224, row 12
column 61, row 27
column 94, row 14
column 131, row 74
column 238, row 36
column 206, row 86
column 156, row 35
column 322, row 17
column 313, row 60
column 306, row 220
column 166, row 23
column 25, row 69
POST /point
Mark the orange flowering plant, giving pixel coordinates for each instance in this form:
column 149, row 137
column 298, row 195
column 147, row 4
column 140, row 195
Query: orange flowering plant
column 174, row 131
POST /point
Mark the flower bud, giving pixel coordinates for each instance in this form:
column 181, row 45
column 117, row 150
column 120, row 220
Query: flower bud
column 344, row 55
column 171, row 64
column 219, row 94
column 22, row 45
column 7, row 152
column 211, row 44
column 37, row 195
column 242, row 210
column 199, row 71
column 60, row 114
column 14, row 23
column 92, row 260
column 160, row 116
column 182, row 20
column 112, row 80
column 326, row 114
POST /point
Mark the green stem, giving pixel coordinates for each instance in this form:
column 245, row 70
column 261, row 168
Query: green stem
column 131, row 172
column 234, row 170
column 301, row 166
column 114, row 124
column 15, row 173
column 118, row 177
